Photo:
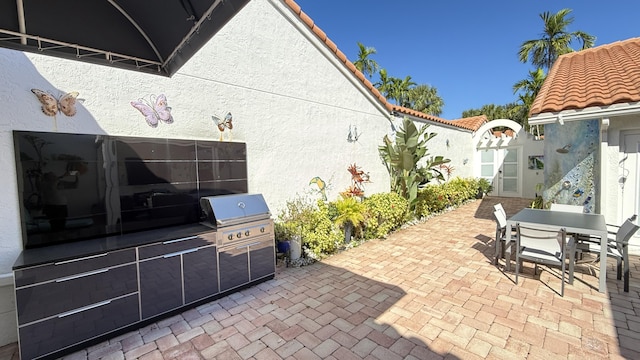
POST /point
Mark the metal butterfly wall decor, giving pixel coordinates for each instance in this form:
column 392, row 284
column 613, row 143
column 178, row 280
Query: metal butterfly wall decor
column 155, row 110
column 227, row 123
column 52, row 105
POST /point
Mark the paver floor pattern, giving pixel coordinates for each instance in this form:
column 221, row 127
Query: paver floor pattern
column 428, row 291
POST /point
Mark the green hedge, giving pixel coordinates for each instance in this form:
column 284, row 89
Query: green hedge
column 315, row 220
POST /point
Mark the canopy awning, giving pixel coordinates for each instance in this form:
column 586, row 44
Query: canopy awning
column 156, row 37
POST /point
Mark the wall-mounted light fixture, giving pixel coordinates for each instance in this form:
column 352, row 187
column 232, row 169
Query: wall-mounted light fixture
column 447, row 142
column 565, row 149
column 465, row 161
column 560, row 119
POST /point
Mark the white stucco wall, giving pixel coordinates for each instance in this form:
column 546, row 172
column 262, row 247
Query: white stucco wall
column 292, row 103
column 459, row 147
column 614, row 190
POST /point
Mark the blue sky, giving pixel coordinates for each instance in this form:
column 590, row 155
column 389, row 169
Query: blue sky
column 468, row 50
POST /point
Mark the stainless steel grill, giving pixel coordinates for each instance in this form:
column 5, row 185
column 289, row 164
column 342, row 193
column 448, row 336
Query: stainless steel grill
column 244, row 237
column 237, row 217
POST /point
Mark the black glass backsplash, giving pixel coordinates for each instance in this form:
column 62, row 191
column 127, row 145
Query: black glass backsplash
column 76, row 187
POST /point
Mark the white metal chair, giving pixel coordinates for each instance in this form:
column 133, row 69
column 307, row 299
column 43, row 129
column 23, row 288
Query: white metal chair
column 617, row 246
column 501, row 235
column 499, row 207
column 545, row 246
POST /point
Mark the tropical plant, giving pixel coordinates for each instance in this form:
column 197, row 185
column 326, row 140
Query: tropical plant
column 384, row 84
column 484, row 186
column 424, row 98
column 358, row 179
column 529, row 89
column 555, row 40
column 366, row 65
column 350, row 216
column 399, row 90
column 403, row 158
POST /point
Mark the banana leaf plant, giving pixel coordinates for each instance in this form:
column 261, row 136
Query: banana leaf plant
column 407, row 163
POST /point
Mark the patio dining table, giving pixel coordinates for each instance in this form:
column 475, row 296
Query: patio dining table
column 578, row 223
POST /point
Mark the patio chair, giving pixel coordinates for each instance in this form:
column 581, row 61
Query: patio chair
column 617, row 246
column 499, row 207
column 501, row 235
column 545, row 246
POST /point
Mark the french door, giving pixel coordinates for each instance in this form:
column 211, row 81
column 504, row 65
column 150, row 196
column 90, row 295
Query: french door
column 503, row 168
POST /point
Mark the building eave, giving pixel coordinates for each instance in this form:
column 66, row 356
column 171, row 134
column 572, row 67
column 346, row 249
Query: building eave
column 595, row 112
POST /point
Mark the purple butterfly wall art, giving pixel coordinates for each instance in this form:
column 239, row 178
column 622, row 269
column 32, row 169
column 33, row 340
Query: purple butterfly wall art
column 155, row 110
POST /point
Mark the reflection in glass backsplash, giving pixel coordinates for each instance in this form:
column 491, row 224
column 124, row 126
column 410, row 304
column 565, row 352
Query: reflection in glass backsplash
column 75, row 187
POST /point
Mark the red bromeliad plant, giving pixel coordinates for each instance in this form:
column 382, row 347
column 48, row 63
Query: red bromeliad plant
column 358, row 179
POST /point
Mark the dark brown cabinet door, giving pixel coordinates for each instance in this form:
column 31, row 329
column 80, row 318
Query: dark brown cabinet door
column 200, row 273
column 160, row 285
column 234, row 267
column 262, row 259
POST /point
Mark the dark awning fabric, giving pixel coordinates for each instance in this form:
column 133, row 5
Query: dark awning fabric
column 156, row 37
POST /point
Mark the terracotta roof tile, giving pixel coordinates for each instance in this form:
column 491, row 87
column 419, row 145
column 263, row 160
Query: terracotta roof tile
column 468, row 123
column 600, row 76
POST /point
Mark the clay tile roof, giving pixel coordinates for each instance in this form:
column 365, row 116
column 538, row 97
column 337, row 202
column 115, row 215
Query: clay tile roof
column 600, row 76
column 472, row 123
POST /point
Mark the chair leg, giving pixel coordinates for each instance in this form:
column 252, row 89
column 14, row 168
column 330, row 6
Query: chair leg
column 563, row 275
column 572, row 262
column 625, row 256
column 498, row 248
column 619, row 268
column 517, row 265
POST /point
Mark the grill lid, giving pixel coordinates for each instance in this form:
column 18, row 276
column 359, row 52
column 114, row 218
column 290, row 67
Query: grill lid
column 226, row 210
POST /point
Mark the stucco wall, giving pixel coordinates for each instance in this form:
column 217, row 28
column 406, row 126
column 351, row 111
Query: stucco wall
column 451, row 143
column 291, row 103
column 615, row 188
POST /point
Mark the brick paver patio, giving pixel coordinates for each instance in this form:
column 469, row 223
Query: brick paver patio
column 427, row 292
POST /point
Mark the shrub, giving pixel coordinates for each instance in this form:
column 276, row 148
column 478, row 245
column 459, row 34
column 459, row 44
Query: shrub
column 433, row 199
column 321, row 237
column 312, row 222
column 385, row 212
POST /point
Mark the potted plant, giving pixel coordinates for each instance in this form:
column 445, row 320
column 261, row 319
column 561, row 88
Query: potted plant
column 350, row 215
column 484, row 188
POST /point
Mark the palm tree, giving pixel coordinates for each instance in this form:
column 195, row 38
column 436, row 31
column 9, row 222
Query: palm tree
column 424, row 98
column 529, row 89
column 363, row 63
column 384, row 85
column 555, row 40
column 399, row 90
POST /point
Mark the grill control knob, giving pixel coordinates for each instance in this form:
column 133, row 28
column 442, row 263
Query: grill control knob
column 246, row 233
column 239, row 235
column 262, row 229
column 230, row 237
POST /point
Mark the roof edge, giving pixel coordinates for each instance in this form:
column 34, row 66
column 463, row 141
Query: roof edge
column 590, row 113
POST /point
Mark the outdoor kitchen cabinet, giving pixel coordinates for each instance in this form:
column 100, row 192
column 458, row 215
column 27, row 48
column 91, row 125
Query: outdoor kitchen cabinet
column 177, row 272
column 63, row 303
column 245, row 262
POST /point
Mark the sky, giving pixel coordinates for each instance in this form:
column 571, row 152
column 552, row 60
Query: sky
column 467, row 50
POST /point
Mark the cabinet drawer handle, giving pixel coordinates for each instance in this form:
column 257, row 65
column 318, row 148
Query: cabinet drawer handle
column 80, row 259
column 178, row 240
column 180, row 253
column 89, row 307
column 247, row 245
column 72, row 277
